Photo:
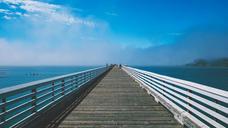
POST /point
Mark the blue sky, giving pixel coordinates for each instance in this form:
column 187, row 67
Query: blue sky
column 88, row 32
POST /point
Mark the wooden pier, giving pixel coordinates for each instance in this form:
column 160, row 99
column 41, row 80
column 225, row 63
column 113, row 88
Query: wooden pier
column 110, row 97
column 118, row 101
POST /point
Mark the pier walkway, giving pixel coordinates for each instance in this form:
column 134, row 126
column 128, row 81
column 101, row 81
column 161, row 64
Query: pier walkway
column 118, row 101
column 110, row 97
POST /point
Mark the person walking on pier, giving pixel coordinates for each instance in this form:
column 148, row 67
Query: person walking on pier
column 120, row 66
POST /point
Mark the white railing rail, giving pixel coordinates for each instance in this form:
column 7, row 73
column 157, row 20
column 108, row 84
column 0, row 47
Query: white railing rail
column 193, row 104
column 22, row 102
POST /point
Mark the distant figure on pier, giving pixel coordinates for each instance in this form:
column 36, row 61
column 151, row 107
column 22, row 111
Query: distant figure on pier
column 120, row 66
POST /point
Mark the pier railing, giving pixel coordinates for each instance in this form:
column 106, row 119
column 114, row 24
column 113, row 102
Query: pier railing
column 193, row 104
column 21, row 103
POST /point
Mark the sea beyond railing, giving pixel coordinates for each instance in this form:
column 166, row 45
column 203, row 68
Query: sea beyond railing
column 193, row 104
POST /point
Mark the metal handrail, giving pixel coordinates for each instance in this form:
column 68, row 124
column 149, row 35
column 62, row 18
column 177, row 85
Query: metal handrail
column 193, row 104
column 22, row 102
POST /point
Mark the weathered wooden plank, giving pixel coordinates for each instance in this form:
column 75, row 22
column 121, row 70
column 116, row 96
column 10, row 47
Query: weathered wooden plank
column 118, row 101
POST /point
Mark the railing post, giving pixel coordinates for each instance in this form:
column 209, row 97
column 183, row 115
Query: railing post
column 79, row 80
column 34, row 100
column 63, row 88
column 90, row 75
column 216, row 101
column 76, row 81
column 188, row 102
column 3, row 109
column 87, row 76
column 72, row 83
column 95, row 73
column 84, row 77
column 53, row 90
column 163, row 86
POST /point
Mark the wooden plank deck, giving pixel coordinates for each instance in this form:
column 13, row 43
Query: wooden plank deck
column 118, row 101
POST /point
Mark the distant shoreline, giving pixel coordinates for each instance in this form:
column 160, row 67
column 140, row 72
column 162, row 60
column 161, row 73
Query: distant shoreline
column 222, row 62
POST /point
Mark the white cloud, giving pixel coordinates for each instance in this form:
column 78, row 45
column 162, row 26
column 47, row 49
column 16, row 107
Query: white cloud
column 13, row 6
column 7, row 17
column 3, row 10
column 6, row 12
column 49, row 12
column 18, row 13
column 11, row 1
column 36, row 6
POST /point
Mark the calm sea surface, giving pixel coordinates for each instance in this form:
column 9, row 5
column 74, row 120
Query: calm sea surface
column 211, row 76
column 214, row 77
column 10, row 76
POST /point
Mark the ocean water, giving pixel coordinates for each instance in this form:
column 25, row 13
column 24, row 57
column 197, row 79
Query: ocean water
column 14, row 75
column 210, row 76
column 214, row 77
